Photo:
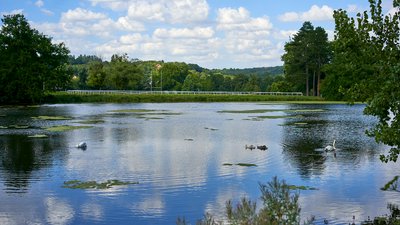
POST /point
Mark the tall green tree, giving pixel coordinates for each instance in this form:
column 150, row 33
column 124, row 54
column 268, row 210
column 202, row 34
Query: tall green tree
column 366, row 67
column 30, row 64
column 305, row 55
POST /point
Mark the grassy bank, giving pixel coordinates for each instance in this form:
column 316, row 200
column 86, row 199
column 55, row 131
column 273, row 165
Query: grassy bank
column 63, row 97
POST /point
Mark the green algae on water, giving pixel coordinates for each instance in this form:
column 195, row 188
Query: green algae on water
column 66, row 128
column 77, row 184
column 38, row 136
column 51, row 118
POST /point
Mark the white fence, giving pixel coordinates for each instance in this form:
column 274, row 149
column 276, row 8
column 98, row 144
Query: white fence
column 92, row 92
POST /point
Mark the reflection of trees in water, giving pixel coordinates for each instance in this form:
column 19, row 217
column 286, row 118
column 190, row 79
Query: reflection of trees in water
column 304, row 139
column 20, row 157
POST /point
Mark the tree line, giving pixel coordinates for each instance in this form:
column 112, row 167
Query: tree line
column 123, row 73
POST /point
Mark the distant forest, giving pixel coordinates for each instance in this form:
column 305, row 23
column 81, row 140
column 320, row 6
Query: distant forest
column 123, row 73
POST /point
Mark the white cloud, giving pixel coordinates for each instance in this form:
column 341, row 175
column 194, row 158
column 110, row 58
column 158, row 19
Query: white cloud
column 352, row 8
column 232, row 19
column 80, row 14
column 47, row 12
column 171, row 11
column 315, row 13
column 39, row 3
column 196, row 33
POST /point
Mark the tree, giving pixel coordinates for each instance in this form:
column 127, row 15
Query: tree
column 96, row 77
column 366, row 67
column 30, row 64
column 305, row 54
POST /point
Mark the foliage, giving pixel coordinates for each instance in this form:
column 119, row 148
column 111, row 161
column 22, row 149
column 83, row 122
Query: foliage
column 305, row 55
column 366, row 67
column 280, row 207
column 30, row 64
column 392, row 219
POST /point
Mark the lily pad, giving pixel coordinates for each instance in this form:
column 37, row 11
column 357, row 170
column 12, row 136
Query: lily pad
column 227, row 164
column 51, row 118
column 77, row 184
column 38, row 136
column 66, row 128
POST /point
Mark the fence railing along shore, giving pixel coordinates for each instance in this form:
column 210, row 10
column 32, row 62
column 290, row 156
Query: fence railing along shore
column 92, row 92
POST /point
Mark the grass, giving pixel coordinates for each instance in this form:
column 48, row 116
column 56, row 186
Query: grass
column 77, row 184
column 63, row 128
column 64, row 97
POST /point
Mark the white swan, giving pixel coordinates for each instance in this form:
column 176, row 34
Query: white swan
column 332, row 147
column 82, row 145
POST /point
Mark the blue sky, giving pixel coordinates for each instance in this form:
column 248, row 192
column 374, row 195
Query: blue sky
column 211, row 33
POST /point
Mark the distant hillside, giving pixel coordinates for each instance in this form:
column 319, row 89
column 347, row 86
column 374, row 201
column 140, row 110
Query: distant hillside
column 260, row 71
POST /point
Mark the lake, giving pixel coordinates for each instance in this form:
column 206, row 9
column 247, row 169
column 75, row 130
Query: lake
column 176, row 152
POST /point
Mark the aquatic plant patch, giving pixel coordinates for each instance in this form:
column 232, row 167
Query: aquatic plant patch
column 90, row 121
column 77, row 184
column 38, row 136
column 51, row 118
column 65, row 128
column 240, row 164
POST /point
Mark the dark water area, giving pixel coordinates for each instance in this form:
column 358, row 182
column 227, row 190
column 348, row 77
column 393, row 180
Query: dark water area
column 177, row 152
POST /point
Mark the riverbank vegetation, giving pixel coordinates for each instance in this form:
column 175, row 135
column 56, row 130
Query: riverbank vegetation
column 65, row 97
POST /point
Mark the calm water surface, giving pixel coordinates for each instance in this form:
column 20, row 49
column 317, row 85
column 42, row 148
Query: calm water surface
column 176, row 152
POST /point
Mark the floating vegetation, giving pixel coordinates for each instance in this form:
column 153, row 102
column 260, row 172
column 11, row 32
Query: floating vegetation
column 246, row 164
column 51, row 118
column 271, row 110
column 38, row 136
column 77, row 184
column 3, row 127
column 279, row 117
column 189, row 139
column 16, row 126
column 251, row 111
column 90, row 121
column 209, row 128
column 65, row 128
column 240, row 164
column 132, row 111
column 305, row 188
column 391, row 185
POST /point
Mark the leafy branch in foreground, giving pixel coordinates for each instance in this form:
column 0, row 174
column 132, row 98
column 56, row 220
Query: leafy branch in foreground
column 280, row 207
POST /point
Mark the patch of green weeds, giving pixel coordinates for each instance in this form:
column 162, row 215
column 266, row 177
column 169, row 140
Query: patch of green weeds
column 77, row 184
column 91, row 121
column 51, row 118
column 38, row 136
column 63, row 128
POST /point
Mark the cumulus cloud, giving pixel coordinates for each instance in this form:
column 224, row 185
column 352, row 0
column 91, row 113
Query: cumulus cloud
column 197, row 33
column 315, row 13
column 80, row 14
column 170, row 11
column 39, row 3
